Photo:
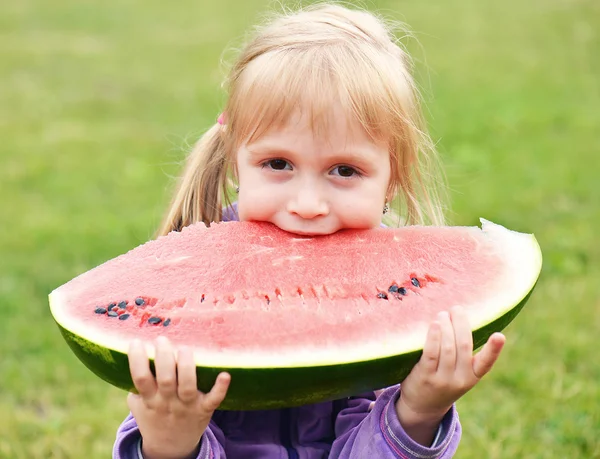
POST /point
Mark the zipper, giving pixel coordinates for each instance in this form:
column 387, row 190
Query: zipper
column 286, row 434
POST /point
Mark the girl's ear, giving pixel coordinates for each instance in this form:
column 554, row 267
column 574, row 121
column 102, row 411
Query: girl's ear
column 392, row 191
column 234, row 178
column 234, row 169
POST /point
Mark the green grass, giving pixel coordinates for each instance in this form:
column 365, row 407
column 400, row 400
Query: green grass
column 98, row 101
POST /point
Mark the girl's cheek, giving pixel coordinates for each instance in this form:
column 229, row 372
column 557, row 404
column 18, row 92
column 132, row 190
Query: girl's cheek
column 258, row 203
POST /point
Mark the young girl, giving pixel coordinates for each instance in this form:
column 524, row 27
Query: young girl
column 320, row 132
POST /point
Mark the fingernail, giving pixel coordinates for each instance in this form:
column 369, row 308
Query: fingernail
column 162, row 340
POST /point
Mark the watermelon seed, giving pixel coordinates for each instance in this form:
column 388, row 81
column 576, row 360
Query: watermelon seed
column 100, row 310
column 111, row 306
column 402, row 291
column 124, row 316
column 382, row 295
column 166, row 323
column 112, row 314
column 268, row 300
column 123, row 304
column 139, row 301
column 393, row 288
column 415, row 281
column 154, row 320
column 202, row 299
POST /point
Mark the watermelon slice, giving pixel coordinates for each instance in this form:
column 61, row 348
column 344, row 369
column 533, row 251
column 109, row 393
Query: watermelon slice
column 295, row 320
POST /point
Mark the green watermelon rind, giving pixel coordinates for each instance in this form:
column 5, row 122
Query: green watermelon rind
column 270, row 388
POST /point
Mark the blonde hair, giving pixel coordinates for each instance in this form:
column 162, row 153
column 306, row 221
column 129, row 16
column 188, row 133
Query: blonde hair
column 315, row 57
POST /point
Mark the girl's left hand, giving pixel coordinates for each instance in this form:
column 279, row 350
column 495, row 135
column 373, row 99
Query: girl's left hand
column 446, row 371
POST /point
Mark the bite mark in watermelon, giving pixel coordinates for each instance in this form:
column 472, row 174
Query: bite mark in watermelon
column 295, row 320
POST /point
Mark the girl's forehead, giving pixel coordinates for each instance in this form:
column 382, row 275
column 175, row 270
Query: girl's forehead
column 334, row 126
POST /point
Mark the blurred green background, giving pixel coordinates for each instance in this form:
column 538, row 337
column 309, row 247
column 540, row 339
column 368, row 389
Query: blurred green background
column 100, row 100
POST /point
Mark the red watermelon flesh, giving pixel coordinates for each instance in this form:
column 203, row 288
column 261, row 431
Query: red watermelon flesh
column 250, row 295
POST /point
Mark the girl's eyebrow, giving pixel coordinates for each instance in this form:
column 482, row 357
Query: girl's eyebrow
column 363, row 155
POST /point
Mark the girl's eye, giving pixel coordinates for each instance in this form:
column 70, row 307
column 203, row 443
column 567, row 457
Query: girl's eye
column 277, row 164
column 345, row 171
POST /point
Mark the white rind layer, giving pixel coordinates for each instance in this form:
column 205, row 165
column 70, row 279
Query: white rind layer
column 523, row 263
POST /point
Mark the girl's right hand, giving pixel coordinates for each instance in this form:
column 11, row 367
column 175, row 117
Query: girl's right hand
column 171, row 413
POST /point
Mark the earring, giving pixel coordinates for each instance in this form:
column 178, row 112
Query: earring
column 386, row 208
column 237, row 189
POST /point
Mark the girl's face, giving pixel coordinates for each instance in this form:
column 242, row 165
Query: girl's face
column 314, row 184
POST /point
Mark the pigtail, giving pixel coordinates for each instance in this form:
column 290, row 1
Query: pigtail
column 203, row 185
column 421, row 182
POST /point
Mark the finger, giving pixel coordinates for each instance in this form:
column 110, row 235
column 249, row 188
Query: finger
column 484, row 360
column 448, row 346
column 215, row 397
column 139, row 367
column 187, row 390
column 463, row 338
column 164, row 363
column 431, row 351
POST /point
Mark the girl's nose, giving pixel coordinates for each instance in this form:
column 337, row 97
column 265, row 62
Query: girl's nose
column 308, row 203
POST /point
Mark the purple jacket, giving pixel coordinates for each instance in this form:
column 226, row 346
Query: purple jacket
column 361, row 427
column 351, row 428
